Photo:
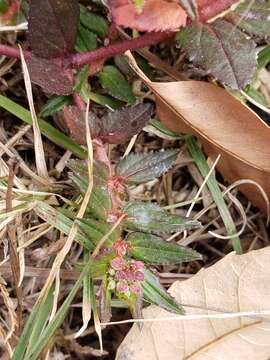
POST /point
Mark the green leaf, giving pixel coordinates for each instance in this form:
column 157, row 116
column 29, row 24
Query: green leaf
column 61, row 222
column 95, row 230
column 93, row 22
column 222, row 50
column 100, row 171
column 100, row 201
column 100, row 265
column 154, row 250
column 86, row 40
column 82, row 85
column 162, row 128
column 141, row 168
column 114, row 82
column 54, row 104
column 253, row 17
column 151, row 218
column 264, row 57
column 155, row 294
column 105, row 100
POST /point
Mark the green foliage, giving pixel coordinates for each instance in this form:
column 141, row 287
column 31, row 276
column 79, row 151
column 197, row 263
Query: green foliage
column 151, row 218
column 115, row 83
column 155, row 294
column 154, row 250
column 140, row 168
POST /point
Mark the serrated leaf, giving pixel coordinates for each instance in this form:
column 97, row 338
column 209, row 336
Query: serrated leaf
column 100, row 201
column 50, row 75
column 54, row 104
column 151, row 218
column 119, row 126
column 252, row 17
column 154, row 250
column 156, row 15
column 93, row 22
column 86, row 40
column 95, row 230
column 100, row 170
column 61, row 222
column 222, row 50
column 114, row 82
column 141, row 168
column 155, row 294
column 53, row 27
column 114, row 127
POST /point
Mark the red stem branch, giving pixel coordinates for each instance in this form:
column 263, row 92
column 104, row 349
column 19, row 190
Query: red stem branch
column 13, row 52
column 107, row 52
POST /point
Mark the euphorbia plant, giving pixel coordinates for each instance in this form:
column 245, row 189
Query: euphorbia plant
column 123, row 238
column 139, row 238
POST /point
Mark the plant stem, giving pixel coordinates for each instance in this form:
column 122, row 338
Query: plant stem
column 12, row 52
column 106, row 52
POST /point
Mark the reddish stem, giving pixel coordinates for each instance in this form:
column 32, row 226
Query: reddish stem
column 13, row 52
column 213, row 8
column 106, row 52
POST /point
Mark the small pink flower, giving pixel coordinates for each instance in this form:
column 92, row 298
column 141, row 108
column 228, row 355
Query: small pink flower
column 121, row 247
column 121, row 275
column 139, row 265
column 130, row 275
column 136, row 289
column 122, row 286
column 118, row 263
column 139, row 276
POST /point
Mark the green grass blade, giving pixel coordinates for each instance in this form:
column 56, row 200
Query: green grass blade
column 215, row 191
column 34, row 326
column 49, row 331
column 46, row 129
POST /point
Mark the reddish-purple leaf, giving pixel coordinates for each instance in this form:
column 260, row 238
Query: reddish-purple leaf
column 74, row 119
column 222, row 50
column 114, row 128
column 53, row 27
column 50, row 75
column 119, row 126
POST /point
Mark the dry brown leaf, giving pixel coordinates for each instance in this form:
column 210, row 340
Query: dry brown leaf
column 223, row 124
column 235, row 283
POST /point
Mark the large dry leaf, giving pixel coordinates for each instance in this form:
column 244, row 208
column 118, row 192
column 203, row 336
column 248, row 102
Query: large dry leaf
column 224, row 126
column 236, row 283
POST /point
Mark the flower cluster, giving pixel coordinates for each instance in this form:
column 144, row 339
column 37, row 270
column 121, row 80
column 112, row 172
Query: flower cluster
column 125, row 276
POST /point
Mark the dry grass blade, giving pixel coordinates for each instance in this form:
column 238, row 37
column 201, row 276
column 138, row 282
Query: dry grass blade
column 12, row 241
column 38, row 145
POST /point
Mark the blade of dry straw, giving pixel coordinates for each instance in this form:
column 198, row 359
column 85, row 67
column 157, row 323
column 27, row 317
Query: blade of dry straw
column 38, row 145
